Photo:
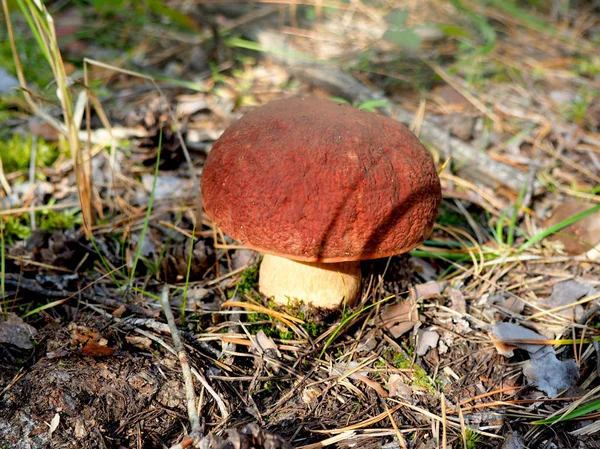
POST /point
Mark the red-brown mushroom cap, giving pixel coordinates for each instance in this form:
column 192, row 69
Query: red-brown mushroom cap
column 317, row 180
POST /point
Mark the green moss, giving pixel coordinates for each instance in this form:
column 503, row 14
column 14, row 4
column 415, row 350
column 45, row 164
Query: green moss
column 56, row 220
column 15, row 228
column 270, row 386
column 450, row 217
column 19, row 228
column 313, row 329
column 266, row 324
column 472, row 439
column 421, row 379
column 16, row 153
column 404, row 361
column 248, row 281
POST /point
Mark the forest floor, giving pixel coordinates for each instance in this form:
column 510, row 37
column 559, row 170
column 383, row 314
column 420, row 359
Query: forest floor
column 485, row 336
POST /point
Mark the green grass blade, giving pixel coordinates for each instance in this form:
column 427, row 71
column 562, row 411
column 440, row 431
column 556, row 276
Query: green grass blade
column 187, row 276
column 481, row 23
column 138, row 251
column 236, row 42
column 577, row 413
column 2, row 266
column 45, row 307
column 347, row 320
column 439, row 255
column 512, row 9
column 557, row 227
column 148, row 294
column 510, row 236
column 26, row 8
column 500, row 227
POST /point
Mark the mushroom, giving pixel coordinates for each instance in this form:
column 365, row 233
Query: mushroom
column 318, row 186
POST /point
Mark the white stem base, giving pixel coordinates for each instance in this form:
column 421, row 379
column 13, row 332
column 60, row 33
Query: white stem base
column 325, row 285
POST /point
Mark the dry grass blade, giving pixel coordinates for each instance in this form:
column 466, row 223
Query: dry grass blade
column 563, row 307
column 21, row 210
column 3, row 180
column 444, row 422
column 184, row 149
column 42, row 26
column 365, row 423
column 400, row 437
column 329, row 441
column 283, row 317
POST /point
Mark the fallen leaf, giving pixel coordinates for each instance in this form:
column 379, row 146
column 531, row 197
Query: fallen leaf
column 139, row 342
column 428, row 290
column 424, row 269
column 89, row 342
column 261, row 343
column 95, row 349
column 54, row 424
column 550, row 375
column 400, row 318
column 310, row 396
column 513, row 441
column 398, row 388
column 543, row 370
column 567, row 292
column 458, row 300
column 426, row 340
column 242, row 258
column 369, row 342
column 341, row 369
column 511, row 332
column 511, row 304
column 264, row 345
column 579, row 237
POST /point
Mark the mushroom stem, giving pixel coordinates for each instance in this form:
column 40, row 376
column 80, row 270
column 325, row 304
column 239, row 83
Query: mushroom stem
column 325, row 285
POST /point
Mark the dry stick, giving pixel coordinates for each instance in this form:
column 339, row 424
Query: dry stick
column 183, row 360
column 474, row 164
column 187, row 441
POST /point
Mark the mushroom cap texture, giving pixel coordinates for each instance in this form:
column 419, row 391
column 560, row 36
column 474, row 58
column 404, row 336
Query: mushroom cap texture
column 317, row 180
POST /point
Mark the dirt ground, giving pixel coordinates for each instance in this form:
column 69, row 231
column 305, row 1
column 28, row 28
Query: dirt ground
column 484, row 336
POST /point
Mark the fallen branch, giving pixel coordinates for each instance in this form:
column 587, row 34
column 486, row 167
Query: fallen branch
column 474, row 164
column 183, row 360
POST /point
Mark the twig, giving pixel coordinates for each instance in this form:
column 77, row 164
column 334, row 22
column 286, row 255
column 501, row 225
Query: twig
column 183, row 360
column 195, row 434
